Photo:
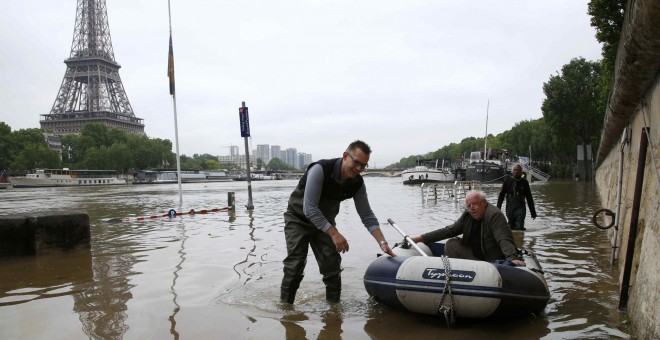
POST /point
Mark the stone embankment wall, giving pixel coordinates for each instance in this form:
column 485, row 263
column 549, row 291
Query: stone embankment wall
column 40, row 233
column 634, row 104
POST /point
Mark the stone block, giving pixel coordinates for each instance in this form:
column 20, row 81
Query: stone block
column 16, row 236
column 43, row 232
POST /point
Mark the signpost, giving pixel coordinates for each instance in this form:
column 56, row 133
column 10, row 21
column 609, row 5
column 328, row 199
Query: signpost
column 245, row 133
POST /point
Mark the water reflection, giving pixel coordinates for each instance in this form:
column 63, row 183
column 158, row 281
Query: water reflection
column 291, row 327
column 179, row 266
column 38, row 277
column 102, row 305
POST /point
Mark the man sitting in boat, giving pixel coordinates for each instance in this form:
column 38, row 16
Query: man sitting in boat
column 486, row 234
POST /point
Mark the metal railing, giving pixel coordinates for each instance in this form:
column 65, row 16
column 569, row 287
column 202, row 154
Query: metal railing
column 451, row 191
column 536, row 173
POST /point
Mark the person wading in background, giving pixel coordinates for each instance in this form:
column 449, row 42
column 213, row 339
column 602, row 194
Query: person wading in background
column 516, row 190
column 310, row 219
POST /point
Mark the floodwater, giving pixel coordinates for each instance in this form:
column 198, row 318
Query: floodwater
column 217, row 275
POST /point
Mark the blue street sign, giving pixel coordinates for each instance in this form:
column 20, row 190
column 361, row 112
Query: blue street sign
column 245, row 121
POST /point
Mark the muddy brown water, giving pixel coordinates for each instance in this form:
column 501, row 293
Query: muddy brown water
column 217, row 275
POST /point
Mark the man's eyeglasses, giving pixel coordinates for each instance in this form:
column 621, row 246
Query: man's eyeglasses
column 472, row 205
column 358, row 163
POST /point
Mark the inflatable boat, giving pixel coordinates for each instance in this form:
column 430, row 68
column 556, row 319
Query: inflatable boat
column 475, row 289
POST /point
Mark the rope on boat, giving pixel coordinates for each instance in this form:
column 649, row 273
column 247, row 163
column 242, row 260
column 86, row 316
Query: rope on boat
column 444, row 310
column 173, row 213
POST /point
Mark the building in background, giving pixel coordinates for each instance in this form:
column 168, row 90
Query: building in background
column 263, row 152
column 54, row 143
column 266, row 153
column 91, row 91
column 304, row 159
column 238, row 160
column 275, row 152
column 233, row 150
column 292, row 157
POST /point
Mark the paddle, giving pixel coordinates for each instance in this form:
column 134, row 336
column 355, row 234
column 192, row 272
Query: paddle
column 406, row 237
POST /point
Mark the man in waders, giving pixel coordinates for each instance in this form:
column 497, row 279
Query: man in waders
column 516, row 189
column 310, row 219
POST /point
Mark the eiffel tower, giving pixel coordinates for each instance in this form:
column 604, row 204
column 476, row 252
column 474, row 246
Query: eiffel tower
column 91, row 91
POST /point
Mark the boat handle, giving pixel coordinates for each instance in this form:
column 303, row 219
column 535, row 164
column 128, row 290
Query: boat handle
column 406, row 237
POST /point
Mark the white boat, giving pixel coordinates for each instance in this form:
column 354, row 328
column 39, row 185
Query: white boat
column 490, row 167
column 67, row 178
column 428, row 171
column 164, row 177
column 254, row 177
column 478, row 289
column 204, row 176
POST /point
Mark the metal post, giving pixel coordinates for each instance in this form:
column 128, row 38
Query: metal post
column 634, row 219
column 619, row 186
column 231, row 200
column 422, row 190
column 249, row 205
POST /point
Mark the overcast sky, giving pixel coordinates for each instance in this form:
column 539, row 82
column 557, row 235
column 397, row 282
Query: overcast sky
column 408, row 77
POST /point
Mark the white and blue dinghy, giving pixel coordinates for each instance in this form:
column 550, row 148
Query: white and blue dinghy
column 475, row 289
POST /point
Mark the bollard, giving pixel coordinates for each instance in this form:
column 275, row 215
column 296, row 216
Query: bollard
column 231, row 201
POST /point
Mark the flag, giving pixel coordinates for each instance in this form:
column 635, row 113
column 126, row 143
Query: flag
column 170, row 67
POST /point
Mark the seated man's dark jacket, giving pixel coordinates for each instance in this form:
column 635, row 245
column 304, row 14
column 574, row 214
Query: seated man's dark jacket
column 496, row 237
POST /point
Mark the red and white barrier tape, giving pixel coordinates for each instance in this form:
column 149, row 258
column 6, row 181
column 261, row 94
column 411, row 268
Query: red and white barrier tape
column 172, row 213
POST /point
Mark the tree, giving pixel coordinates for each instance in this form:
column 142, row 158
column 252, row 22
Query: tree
column 121, row 157
column 526, row 135
column 35, row 156
column 278, row 164
column 607, row 18
column 24, row 137
column 97, row 159
column 212, row 164
column 98, row 133
column 6, row 146
column 571, row 104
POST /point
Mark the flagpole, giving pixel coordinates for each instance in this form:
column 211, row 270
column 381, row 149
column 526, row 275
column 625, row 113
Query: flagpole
column 486, row 136
column 170, row 73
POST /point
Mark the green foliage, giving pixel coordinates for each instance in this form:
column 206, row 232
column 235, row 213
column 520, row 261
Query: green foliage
column 571, row 107
column 198, row 162
column 25, row 137
column 97, row 133
column 97, row 147
column 572, row 114
column 6, row 146
column 278, row 164
column 25, row 149
column 36, row 156
column 561, row 170
column 212, row 164
column 607, row 19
